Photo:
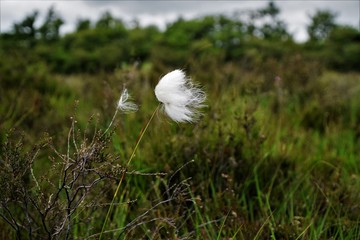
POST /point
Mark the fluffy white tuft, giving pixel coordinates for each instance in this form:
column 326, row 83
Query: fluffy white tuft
column 125, row 105
column 180, row 97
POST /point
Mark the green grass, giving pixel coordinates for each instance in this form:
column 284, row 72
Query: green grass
column 257, row 173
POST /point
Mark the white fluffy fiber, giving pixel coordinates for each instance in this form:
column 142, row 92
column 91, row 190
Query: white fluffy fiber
column 125, row 105
column 180, row 97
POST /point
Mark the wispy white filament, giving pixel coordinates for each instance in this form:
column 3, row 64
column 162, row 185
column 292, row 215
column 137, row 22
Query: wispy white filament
column 180, row 97
column 125, row 105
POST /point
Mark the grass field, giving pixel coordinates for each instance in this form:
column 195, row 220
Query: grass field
column 264, row 162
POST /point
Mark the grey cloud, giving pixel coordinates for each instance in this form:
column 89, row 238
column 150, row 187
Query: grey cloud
column 294, row 13
column 177, row 7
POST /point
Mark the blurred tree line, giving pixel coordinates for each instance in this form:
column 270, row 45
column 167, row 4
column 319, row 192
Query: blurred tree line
column 109, row 42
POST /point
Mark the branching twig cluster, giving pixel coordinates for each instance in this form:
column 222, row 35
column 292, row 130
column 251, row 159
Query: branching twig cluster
column 43, row 207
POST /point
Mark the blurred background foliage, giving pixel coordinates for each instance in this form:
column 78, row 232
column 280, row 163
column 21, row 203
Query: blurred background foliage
column 277, row 151
column 217, row 49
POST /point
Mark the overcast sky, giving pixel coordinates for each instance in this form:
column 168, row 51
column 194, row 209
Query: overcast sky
column 294, row 13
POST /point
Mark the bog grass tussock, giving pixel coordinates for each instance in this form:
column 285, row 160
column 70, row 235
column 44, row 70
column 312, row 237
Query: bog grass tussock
column 180, row 97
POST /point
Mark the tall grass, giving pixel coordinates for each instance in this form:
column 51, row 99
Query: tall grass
column 254, row 167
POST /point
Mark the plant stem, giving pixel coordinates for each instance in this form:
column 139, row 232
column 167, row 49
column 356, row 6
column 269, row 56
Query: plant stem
column 138, row 140
column 112, row 121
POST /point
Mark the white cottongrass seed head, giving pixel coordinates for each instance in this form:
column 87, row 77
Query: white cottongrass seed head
column 125, row 104
column 181, row 98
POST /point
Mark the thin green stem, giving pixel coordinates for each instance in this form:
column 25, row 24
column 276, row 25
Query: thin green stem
column 138, row 140
column 112, row 121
